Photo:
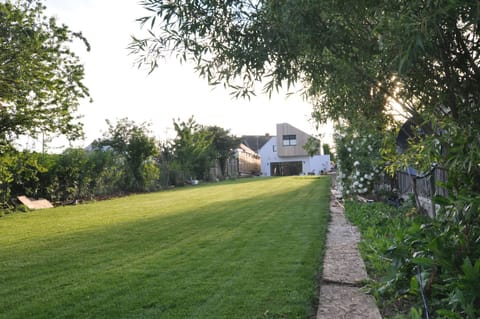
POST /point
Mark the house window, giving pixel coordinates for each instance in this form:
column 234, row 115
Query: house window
column 274, row 148
column 289, row 140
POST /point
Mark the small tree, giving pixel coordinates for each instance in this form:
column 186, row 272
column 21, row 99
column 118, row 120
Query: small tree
column 136, row 150
column 191, row 148
column 107, row 171
column 312, row 146
column 165, row 162
column 223, row 145
column 326, row 149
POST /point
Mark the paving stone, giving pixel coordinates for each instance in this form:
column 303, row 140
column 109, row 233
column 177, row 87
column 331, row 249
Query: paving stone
column 343, row 264
column 342, row 234
column 343, row 271
column 343, row 302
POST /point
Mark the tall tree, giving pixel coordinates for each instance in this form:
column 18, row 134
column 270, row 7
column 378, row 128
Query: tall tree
column 237, row 43
column 41, row 78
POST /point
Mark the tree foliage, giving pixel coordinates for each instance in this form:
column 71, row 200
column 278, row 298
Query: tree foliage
column 19, row 173
column 359, row 159
column 223, row 145
column 356, row 59
column 136, row 150
column 326, row 149
column 195, row 150
column 41, row 78
column 191, row 148
column 353, row 57
column 127, row 159
column 312, row 146
column 237, row 43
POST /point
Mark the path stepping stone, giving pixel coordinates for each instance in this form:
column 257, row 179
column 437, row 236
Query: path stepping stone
column 343, row 273
column 337, row 301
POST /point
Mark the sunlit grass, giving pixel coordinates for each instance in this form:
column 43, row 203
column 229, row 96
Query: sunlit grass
column 245, row 249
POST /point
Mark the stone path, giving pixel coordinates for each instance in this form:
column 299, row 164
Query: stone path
column 343, row 273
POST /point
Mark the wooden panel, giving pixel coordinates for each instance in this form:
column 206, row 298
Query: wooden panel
column 35, row 204
column 291, row 150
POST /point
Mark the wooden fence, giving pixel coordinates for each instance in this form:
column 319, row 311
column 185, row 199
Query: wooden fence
column 423, row 187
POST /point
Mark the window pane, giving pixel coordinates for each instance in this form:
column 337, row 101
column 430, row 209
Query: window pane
column 289, row 140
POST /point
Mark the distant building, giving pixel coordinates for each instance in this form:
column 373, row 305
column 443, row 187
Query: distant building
column 244, row 162
column 284, row 154
column 248, row 161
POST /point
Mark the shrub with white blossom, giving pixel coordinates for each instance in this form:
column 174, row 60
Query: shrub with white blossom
column 359, row 159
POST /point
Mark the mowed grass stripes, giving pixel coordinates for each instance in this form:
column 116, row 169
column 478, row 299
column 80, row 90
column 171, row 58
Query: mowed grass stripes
column 244, row 249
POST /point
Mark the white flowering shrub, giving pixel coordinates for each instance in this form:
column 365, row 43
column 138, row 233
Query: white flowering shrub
column 359, row 160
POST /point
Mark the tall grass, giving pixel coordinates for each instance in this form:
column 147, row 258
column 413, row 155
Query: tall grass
column 245, row 249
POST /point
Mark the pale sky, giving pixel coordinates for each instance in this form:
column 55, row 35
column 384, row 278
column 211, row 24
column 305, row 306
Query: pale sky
column 119, row 89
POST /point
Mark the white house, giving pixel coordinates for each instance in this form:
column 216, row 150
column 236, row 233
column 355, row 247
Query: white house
column 284, row 154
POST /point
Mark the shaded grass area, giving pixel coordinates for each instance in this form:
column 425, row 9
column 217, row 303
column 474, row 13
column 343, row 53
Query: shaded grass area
column 245, row 249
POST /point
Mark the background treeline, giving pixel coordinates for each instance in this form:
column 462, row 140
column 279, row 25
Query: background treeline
column 126, row 159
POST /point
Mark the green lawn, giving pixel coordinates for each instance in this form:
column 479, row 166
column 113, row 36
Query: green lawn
column 245, row 249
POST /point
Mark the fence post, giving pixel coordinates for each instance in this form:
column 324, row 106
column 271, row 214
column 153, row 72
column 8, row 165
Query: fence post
column 433, row 189
column 333, row 179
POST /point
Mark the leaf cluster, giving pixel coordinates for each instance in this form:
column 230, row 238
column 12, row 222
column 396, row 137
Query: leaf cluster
column 353, row 58
column 135, row 149
column 196, row 147
column 408, row 255
column 41, row 78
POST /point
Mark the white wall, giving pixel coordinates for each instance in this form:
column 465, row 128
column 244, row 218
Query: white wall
column 267, row 155
column 318, row 163
column 314, row 164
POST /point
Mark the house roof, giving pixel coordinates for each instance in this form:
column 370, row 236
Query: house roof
column 255, row 142
column 246, row 149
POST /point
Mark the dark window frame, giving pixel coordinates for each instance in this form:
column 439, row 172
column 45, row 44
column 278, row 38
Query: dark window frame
column 289, row 140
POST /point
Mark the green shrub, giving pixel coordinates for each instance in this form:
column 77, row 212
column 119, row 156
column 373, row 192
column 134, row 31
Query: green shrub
column 359, row 159
column 411, row 257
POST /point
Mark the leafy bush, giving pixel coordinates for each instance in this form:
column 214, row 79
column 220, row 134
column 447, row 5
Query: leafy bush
column 19, row 174
column 74, row 175
column 134, row 150
column 418, row 264
column 359, row 159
